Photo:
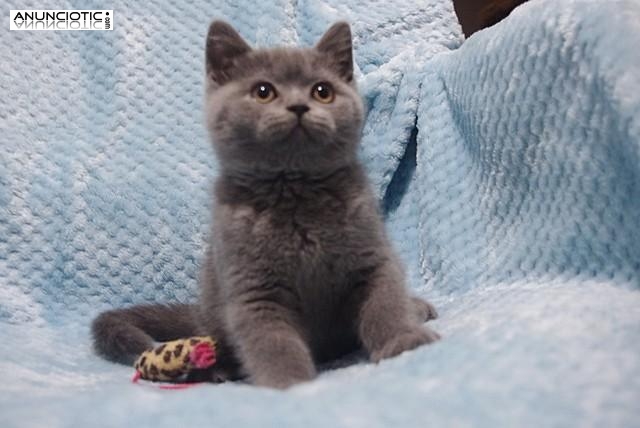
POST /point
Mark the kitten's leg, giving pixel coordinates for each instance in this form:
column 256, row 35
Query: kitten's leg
column 423, row 310
column 210, row 317
column 269, row 342
column 386, row 325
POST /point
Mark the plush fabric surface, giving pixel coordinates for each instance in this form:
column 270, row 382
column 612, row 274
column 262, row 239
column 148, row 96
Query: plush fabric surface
column 508, row 169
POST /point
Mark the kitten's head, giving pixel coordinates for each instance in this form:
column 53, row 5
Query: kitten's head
column 286, row 109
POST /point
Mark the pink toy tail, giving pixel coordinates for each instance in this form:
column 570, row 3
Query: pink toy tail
column 203, row 355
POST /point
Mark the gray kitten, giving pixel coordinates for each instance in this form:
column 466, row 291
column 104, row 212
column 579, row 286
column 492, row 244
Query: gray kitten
column 299, row 270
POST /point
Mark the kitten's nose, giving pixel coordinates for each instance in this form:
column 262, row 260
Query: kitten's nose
column 299, row 109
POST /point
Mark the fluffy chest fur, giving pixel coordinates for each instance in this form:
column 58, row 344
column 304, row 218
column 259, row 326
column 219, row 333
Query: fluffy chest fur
column 313, row 237
column 309, row 226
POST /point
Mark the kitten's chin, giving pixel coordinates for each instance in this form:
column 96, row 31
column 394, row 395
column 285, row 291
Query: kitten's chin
column 293, row 134
column 299, row 133
column 302, row 134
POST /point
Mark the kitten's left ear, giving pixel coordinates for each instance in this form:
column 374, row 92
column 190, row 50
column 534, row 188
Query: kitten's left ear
column 224, row 45
column 336, row 44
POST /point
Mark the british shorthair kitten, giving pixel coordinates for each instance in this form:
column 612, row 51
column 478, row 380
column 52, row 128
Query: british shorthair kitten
column 299, row 268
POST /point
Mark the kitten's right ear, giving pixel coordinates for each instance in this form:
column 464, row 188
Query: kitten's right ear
column 224, row 46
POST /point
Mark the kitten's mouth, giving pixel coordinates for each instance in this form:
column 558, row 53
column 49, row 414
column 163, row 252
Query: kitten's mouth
column 299, row 130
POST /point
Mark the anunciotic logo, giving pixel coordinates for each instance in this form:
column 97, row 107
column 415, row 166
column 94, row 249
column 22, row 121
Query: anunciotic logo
column 61, row 19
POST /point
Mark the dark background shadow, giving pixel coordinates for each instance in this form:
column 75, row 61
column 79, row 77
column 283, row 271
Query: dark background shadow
column 475, row 15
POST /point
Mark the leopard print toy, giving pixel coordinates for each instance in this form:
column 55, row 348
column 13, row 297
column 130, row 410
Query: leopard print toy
column 174, row 361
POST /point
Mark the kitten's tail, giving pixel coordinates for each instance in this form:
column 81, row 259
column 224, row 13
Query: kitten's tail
column 121, row 335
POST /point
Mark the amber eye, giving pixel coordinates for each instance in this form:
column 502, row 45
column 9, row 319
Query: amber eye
column 323, row 92
column 264, row 92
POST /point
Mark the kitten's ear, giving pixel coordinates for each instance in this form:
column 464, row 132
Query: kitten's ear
column 336, row 44
column 224, row 46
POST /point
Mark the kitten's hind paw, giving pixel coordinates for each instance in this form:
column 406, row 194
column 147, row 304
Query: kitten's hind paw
column 423, row 310
column 405, row 342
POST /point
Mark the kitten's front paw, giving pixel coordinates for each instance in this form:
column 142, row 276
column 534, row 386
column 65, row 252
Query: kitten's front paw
column 282, row 381
column 405, row 342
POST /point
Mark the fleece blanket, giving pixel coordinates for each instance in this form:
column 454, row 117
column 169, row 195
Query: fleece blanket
column 508, row 168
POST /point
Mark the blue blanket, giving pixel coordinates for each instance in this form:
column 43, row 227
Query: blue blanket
column 508, row 168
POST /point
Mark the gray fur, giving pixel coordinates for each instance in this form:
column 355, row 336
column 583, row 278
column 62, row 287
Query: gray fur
column 299, row 270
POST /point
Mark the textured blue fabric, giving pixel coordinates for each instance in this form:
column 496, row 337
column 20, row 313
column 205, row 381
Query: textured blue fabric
column 508, row 167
